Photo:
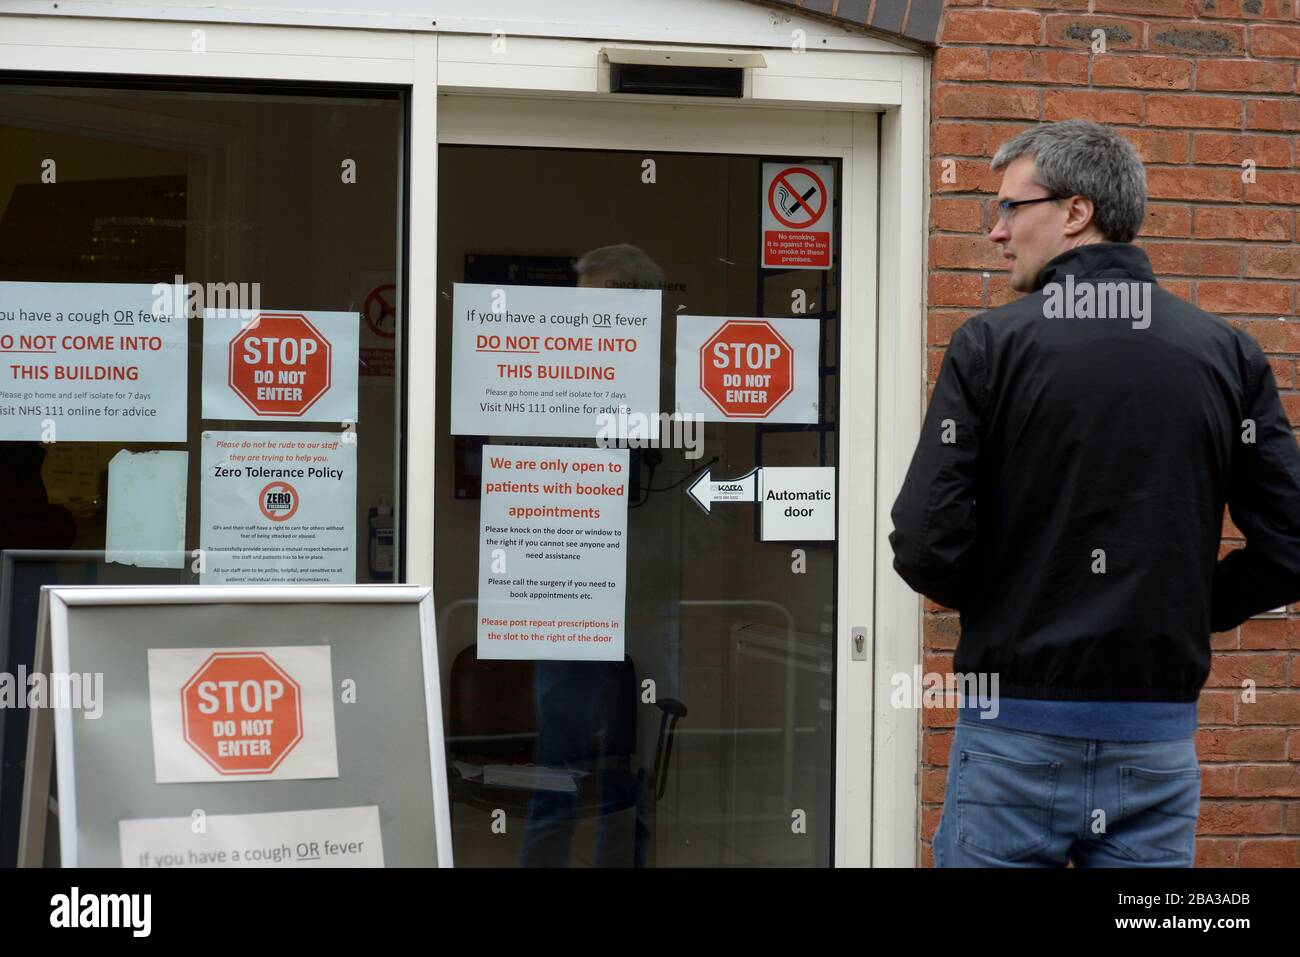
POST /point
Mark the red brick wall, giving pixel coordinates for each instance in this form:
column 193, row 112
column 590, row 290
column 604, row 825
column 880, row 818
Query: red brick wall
column 1198, row 86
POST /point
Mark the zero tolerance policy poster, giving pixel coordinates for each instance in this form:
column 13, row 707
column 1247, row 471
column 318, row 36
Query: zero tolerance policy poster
column 278, row 508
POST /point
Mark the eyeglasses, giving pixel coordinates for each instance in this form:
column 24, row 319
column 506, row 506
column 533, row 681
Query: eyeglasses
column 1007, row 205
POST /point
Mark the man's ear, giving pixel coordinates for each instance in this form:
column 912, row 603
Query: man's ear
column 1079, row 214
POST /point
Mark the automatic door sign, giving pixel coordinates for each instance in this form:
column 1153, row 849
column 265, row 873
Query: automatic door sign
column 242, row 713
column 280, row 365
column 797, row 216
column 732, row 370
column 798, row 503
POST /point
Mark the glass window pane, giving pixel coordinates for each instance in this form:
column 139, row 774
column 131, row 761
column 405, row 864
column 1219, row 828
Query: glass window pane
column 277, row 198
column 243, row 195
column 726, row 759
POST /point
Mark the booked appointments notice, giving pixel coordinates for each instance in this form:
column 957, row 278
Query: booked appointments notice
column 552, row 553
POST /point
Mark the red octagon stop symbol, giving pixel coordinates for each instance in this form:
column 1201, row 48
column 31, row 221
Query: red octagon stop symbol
column 279, row 364
column 241, row 712
column 746, row 369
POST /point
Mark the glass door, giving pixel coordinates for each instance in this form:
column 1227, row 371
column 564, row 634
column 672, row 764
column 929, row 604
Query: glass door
column 649, row 681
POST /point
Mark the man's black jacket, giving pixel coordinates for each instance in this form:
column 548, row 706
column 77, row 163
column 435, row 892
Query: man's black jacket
column 1067, row 492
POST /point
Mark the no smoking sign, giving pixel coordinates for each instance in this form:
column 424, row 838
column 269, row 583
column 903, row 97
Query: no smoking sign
column 797, row 216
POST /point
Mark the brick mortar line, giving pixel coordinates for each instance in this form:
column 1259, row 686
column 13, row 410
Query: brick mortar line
column 1043, row 46
column 1133, row 124
column 1202, row 130
column 1160, row 18
column 1091, row 11
column 1284, row 96
column 1068, row 86
column 1218, row 240
column 970, row 157
column 1201, row 204
column 1283, row 281
column 1212, row 277
column 1159, row 53
column 1161, row 241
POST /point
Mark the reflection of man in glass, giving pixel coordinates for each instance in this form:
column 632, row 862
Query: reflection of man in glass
column 619, row 267
column 587, row 710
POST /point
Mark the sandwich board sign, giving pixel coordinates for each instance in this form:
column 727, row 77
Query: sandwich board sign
column 263, row 706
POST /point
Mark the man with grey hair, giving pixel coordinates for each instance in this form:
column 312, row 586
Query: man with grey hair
column 622, row 266
column 1067, row 497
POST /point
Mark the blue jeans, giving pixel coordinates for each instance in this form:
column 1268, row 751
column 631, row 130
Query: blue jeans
column 1017, row 799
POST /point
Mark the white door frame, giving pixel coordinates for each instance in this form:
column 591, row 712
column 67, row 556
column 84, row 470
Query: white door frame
column 628, row 124
column 814, row 102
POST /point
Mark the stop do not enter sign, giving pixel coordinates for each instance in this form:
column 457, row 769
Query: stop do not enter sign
column 746, row 369
column 280, row 364
column 242, row 712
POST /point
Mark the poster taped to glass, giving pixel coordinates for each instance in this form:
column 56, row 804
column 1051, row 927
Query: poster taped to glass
column 90, row 362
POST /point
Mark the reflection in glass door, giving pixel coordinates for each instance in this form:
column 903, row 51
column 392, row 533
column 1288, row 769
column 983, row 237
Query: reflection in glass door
column 711, row 742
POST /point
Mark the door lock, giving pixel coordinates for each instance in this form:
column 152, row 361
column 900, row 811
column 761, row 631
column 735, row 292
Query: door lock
column 858, row 638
